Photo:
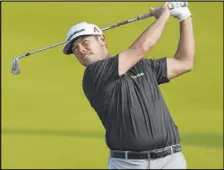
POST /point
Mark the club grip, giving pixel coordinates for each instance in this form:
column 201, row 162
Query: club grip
column 145, row 16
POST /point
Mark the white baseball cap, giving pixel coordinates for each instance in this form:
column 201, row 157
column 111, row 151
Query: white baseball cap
column 78, row 30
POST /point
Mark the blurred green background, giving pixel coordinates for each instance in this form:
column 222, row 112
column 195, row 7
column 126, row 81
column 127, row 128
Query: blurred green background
column 46, row 120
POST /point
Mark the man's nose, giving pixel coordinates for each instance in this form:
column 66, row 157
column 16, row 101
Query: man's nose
column 82, row 49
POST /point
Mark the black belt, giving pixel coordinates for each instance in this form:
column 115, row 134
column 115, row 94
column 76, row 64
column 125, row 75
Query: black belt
column 153, row 154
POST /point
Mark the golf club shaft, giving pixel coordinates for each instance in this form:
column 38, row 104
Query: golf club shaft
column 42, row 49
column 103, row 29
column 128, row 21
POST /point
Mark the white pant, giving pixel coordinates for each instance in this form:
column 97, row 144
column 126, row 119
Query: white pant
column 173, row 161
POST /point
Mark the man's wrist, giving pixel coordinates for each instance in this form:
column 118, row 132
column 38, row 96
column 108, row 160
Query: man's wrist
column 164, row 17
column 187, row 20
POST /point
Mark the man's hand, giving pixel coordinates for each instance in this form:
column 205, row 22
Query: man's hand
column 179, row 10
column 161, row 10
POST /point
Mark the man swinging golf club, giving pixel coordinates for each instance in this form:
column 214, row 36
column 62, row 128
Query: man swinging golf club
column 124, row 90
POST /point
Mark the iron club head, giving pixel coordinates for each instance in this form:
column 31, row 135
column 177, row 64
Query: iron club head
column 15, row 66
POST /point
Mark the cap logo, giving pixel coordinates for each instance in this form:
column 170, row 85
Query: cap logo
column 96, row 30
column 76, row 33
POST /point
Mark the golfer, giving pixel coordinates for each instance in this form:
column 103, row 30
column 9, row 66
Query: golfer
column 124, row 90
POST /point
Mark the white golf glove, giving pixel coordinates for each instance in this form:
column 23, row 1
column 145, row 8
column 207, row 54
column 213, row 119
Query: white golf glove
column 179, row 10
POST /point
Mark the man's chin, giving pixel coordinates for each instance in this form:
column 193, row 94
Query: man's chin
column 87, row 57
column 86, row 61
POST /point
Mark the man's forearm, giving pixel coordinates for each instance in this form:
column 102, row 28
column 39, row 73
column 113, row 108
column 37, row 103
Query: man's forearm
column 151, row 35
column 186, row 46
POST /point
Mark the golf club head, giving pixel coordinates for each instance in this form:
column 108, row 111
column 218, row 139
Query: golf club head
column 15, row 66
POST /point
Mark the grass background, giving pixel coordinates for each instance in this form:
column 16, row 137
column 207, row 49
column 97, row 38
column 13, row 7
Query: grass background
column 46, row 120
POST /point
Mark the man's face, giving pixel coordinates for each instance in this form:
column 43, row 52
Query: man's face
column 89, row 49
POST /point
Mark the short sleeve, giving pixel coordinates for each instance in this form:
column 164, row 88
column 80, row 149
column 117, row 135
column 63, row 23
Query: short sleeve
column 159, row 68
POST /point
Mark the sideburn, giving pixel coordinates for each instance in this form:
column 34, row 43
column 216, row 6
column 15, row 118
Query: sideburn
column 97, row 38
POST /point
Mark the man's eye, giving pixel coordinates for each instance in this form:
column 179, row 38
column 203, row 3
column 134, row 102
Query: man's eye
column 74, row 48
column 85, row 41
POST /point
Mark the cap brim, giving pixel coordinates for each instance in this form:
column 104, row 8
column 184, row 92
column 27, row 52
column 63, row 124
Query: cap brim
column 67, row 48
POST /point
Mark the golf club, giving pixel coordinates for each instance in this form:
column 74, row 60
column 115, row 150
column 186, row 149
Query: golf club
column 15, row 61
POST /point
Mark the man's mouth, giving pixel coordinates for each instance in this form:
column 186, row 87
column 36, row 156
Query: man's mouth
column 86, row 56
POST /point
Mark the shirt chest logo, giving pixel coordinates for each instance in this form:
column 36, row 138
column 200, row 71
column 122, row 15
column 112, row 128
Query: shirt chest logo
column 135, row 76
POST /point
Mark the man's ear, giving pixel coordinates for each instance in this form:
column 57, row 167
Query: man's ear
column 102, row 40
